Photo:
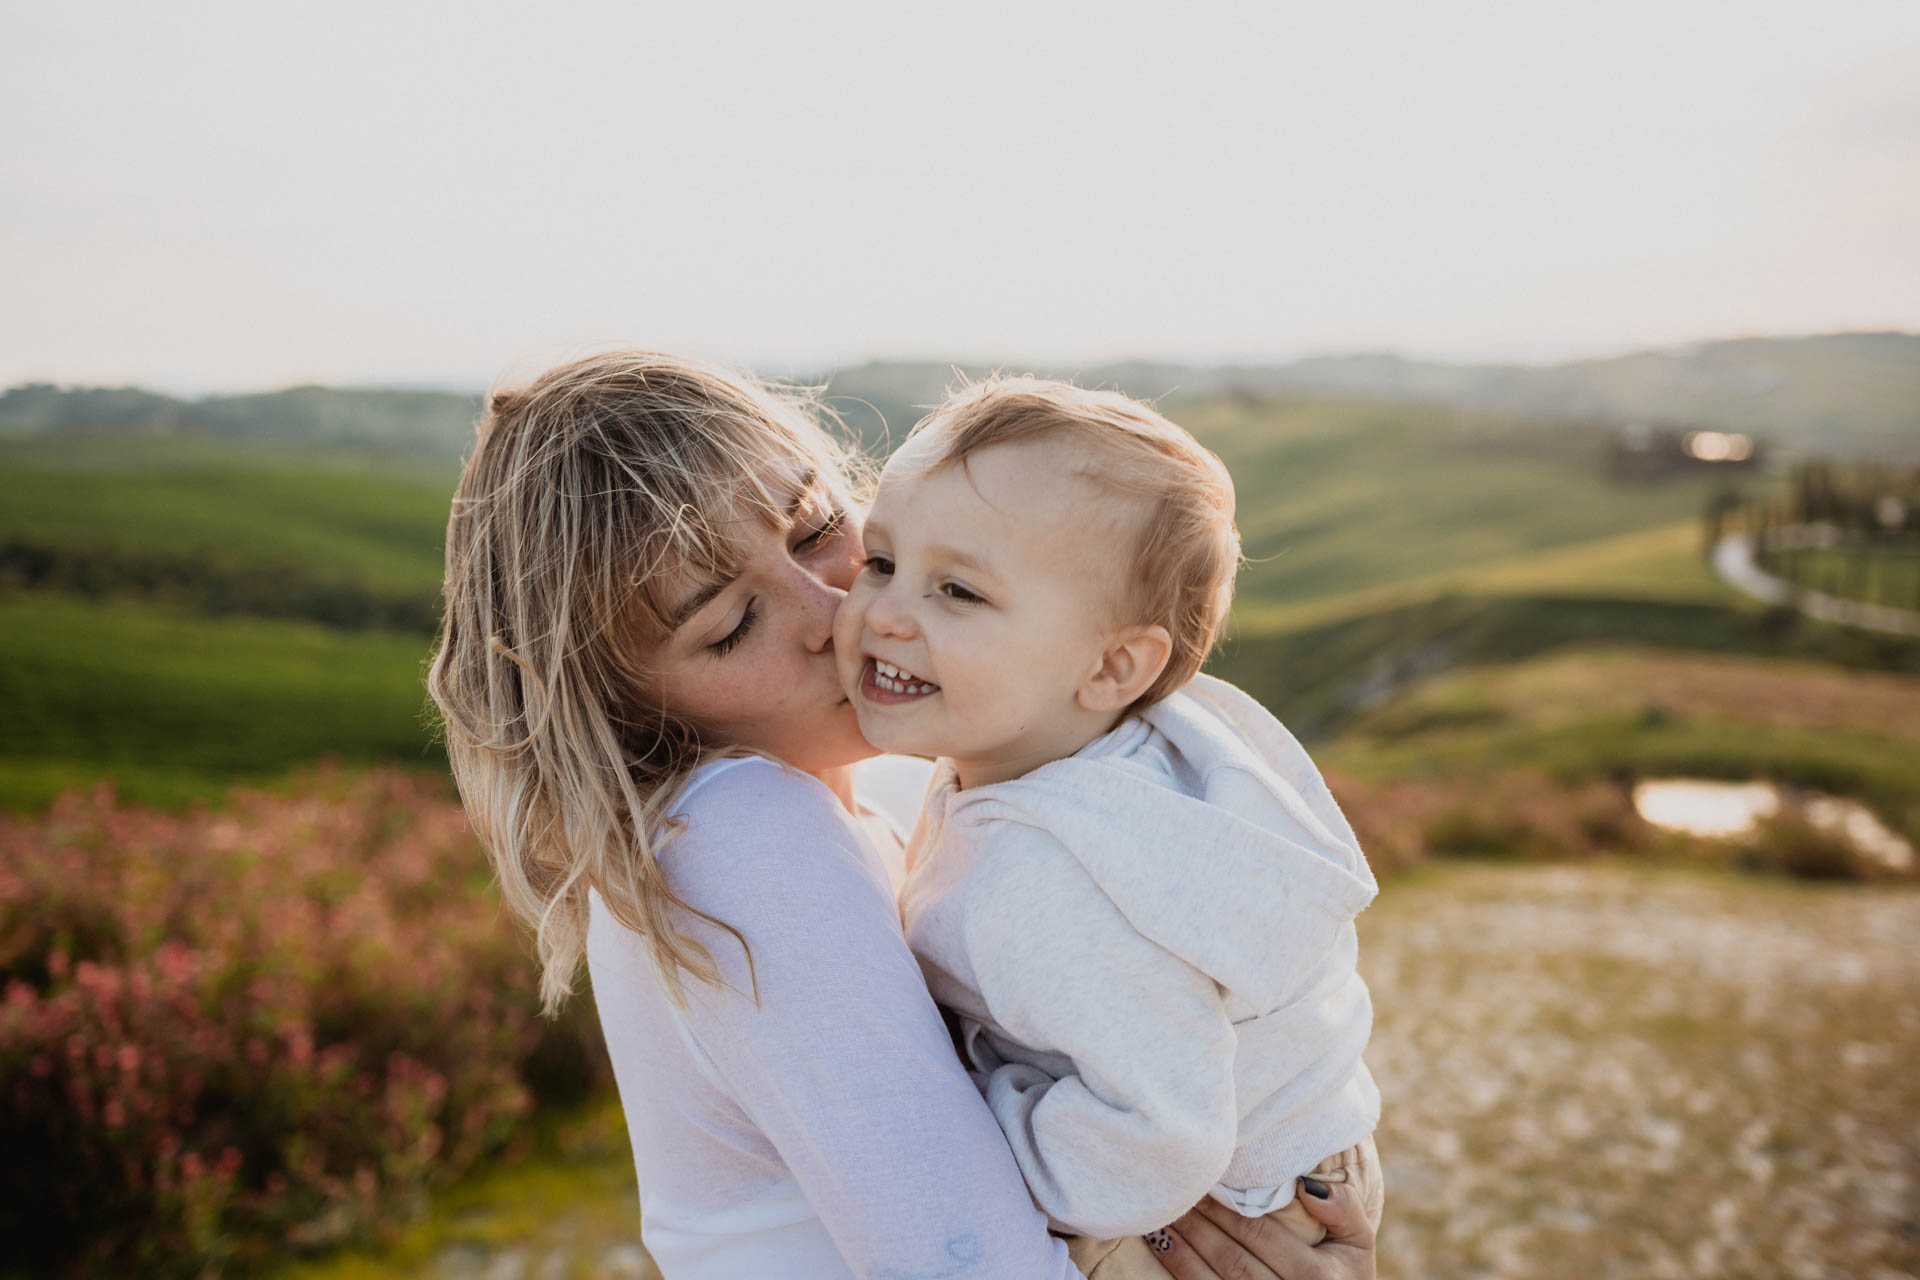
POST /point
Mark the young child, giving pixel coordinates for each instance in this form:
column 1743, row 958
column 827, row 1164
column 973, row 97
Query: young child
column 1130, row 884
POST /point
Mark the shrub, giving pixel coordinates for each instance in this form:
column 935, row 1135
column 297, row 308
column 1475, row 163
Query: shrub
column 1388, row 818
column 1788, row 843
column 1521, row 813
column 279, row 1023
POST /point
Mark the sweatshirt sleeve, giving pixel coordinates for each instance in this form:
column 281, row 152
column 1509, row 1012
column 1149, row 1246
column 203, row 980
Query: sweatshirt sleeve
column 1146, row 1122
column 844, row 1065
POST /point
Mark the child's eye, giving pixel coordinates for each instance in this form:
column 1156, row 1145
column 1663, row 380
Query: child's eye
column 881, row 566
column 828, row 527
column 954, row 591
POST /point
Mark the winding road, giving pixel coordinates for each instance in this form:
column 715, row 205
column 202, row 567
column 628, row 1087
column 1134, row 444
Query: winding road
column 1733, row 560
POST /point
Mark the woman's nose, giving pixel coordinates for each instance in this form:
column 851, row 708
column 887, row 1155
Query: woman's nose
column 820, row 600
column 841, row 570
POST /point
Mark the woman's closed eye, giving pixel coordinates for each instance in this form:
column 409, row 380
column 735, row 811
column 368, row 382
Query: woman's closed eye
column 725, row 644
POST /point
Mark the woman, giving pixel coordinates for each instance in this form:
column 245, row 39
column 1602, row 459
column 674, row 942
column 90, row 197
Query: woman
column 643, row 564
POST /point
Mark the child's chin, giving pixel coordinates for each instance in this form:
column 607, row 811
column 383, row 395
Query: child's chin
column 890, row 739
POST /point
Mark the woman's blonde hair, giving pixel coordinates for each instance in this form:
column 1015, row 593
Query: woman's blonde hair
column 594, row 495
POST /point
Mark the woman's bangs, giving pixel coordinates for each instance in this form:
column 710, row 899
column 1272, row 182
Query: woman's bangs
column 704, row 538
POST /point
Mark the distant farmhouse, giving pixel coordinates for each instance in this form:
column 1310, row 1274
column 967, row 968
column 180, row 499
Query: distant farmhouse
column 1641, row 451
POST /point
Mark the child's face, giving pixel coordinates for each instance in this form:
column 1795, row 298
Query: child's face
column 989, row 588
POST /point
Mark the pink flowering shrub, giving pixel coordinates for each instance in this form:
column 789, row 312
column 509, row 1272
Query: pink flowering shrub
column 277, row 1024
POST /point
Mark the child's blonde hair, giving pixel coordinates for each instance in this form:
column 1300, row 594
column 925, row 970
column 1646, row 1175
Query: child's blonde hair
column 589, row 495
column 1186, row 551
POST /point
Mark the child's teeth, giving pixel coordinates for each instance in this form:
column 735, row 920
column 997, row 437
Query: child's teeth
column 894, row 680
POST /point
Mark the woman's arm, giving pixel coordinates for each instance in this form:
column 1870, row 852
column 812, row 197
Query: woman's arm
column 845, row 1066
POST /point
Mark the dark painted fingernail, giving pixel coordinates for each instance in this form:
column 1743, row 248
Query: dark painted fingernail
column 1315, row 1188
column 1160, row 1241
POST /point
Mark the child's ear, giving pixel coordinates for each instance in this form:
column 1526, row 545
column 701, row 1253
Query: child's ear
column 1133, row 659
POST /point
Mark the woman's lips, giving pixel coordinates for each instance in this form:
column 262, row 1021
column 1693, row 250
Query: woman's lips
column 891, row 691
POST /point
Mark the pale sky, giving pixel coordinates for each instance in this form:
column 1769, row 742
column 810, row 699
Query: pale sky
column 218, row 196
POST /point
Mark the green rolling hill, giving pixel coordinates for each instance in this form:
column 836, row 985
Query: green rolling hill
column 1389, row 541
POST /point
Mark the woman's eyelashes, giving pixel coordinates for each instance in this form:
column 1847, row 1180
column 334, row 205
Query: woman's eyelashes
column 824, row 533
column 820, row 536
column 725, row 644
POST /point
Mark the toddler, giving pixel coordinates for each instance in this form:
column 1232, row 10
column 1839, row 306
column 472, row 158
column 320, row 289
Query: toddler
column 1130, row 885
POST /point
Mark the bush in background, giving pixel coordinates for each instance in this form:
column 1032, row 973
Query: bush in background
column 277, row 1024
column 1789, row 843
column 1528, row 815
column 1519, row 814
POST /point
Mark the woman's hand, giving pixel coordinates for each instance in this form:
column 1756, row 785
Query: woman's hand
column 1212, row 1242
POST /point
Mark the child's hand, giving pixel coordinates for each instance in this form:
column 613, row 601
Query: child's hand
column 1214, row 1243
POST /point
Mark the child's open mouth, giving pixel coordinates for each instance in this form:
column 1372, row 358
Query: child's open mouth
column 884, row 682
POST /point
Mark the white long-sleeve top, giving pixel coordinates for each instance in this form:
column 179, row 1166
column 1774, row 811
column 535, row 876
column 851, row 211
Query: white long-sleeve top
column 1151, row 950
column 829, row 1132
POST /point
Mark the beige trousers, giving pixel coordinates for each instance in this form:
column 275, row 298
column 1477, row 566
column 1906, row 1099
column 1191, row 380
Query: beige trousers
column 1132, row 1258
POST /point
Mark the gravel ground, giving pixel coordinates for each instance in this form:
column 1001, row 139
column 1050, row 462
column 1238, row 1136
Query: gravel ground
column 1606, row 1071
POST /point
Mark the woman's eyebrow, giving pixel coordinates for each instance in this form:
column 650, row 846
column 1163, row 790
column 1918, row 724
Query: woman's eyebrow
column 698, row 601
column 704, row 596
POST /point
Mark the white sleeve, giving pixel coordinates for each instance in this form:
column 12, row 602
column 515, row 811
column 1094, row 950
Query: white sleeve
column 1147, row 1123
column 845, row 1065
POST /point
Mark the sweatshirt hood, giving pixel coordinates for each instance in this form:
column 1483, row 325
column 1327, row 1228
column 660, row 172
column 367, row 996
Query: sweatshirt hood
column 1237, row 859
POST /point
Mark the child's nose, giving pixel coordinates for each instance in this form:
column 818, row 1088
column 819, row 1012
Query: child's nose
column 886, row 617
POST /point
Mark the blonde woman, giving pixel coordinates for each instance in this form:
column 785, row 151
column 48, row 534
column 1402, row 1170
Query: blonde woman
column 637, row 680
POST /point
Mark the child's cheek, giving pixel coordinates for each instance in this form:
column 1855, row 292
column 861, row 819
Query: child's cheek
column 847, row 625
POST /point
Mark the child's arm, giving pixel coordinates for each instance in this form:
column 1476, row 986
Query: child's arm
column 1147, row 1124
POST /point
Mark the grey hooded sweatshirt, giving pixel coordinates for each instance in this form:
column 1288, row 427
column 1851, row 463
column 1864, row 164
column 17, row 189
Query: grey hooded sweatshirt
column 1150, row 951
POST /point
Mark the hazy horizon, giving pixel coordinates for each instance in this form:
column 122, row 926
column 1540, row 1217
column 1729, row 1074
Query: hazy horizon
column 779, row 369
column 360, row 194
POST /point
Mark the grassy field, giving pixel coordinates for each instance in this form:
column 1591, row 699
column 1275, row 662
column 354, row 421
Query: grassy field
column 1662, row 564
column 173, row 705
column 1600, row 1071
column 1339, row 497
column 336, row 516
